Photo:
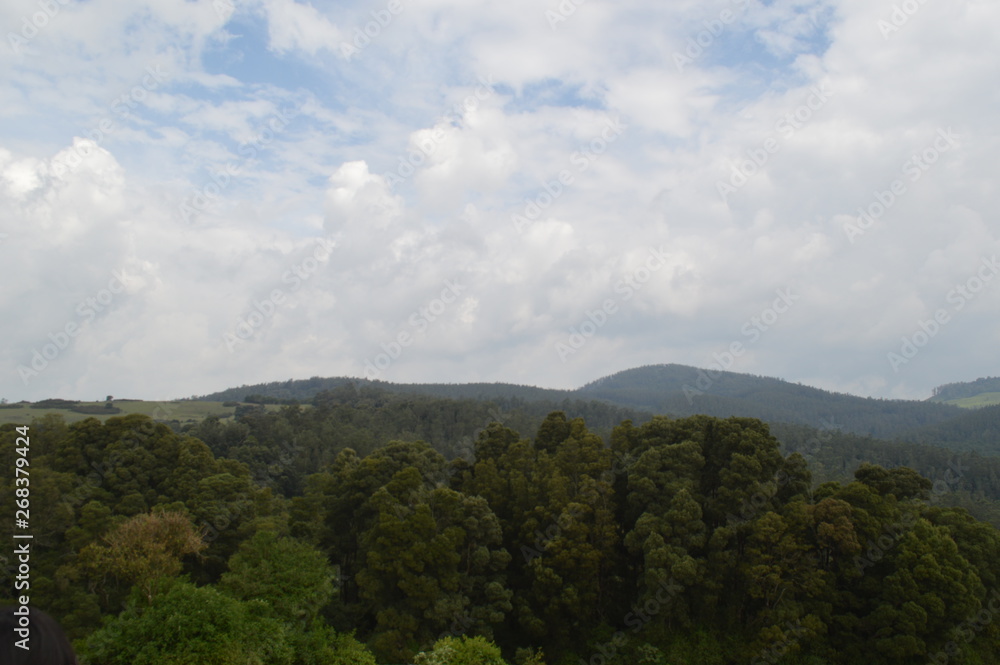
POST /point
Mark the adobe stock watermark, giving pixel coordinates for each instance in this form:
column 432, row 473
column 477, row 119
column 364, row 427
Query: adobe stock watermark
column 637, row 619
column 826, row 430
column 760, row 501
column 958, row 297
column 752, row 331
column 701, row 42
column 553, row 531
column 32, row 24
column 227, row 516
column 420, row 320
column 86, row 311
column 562, row 12
column 893, row 533
column 461, row 623
column 429, row 140
column 596, row 319
column 775, row 652
column 381, row 19
column 265, row 477
column 136, row 436
column 913, row 168
column 968, row 630
column 466, row 446
column 201, row 199
column 900, row 16
column 784, row 128
column 301, row 271
column 223, row 8
column 582, row 159
column 122, row 107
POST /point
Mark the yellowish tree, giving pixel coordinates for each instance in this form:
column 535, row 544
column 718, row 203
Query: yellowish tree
column 143, row 549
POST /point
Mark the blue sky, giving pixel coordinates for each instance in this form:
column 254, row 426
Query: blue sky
column 203, row 194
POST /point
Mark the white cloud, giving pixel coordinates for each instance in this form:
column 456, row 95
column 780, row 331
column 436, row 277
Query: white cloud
column 394, row 243
column 297, row 26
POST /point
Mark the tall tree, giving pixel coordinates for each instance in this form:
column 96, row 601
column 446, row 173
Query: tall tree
column 143, row 550
column 294, row 579
column 431, row 557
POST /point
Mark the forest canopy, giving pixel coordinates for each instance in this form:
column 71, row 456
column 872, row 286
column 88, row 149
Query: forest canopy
column 299, row 537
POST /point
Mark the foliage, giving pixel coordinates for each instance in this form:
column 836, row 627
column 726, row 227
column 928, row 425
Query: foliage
column 675, row 389
column 672, row 540
column 952, row 391
column 293, row 579
column 321, row 645
column 143, row 549
column 461, row 651
column 186, row 625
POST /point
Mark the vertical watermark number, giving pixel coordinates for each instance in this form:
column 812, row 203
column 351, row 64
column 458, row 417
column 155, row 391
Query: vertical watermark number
column 22, row 537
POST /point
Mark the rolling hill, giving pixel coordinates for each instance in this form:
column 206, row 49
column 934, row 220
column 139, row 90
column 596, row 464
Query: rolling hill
column 677, row 390
column 970, row 394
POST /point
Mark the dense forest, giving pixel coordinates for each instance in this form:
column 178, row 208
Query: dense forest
column 978, row 429
column 989, row 384
column 678, row 390
column 364, row 416
column 375, row 527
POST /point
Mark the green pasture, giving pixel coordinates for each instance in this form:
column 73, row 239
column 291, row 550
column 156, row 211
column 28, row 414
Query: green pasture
column 183, row 411
column 976, row 401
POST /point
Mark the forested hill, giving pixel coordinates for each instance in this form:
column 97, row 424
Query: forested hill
column 684, row 390
column 955, row 391
column 679, row 390
column 305, row 390
column 977, row 429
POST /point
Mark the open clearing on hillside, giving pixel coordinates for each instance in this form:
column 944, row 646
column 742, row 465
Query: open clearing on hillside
column 183, row 411
column 976, row 401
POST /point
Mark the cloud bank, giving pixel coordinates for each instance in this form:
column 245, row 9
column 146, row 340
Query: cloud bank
column 204, row 194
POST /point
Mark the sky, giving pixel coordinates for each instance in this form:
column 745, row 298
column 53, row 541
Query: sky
column 202, row 194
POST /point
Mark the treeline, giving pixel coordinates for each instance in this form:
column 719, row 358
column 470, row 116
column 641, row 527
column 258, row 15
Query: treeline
column 977, row 429
column 288, row 445
column 108, row 408
column 989, row 384
column 833, row 455
column 304, row 390
column 679, row 390
column 293, row 442
column 684, row 390
column 688, row 540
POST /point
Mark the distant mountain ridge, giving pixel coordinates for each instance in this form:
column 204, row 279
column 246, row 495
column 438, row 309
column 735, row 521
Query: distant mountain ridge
column 306, row 389
column 678, row 390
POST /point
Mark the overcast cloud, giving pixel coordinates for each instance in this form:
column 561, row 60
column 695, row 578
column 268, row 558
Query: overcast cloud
column 198, row 195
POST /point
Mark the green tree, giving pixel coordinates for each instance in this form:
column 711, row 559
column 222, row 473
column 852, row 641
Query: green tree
column 564, row 528
column 432, row 557
column 461, row 651
column 143, row 549
column 928, row 586
column 188, row 624
column 322, row 645
column 668, row 536
column 294, row 579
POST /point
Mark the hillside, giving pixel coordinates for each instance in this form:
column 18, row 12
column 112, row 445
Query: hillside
column 970, row 394
column 305, row 390
column 180, row 411
column 678, row 390
column 683, row 391
column 978, row 429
